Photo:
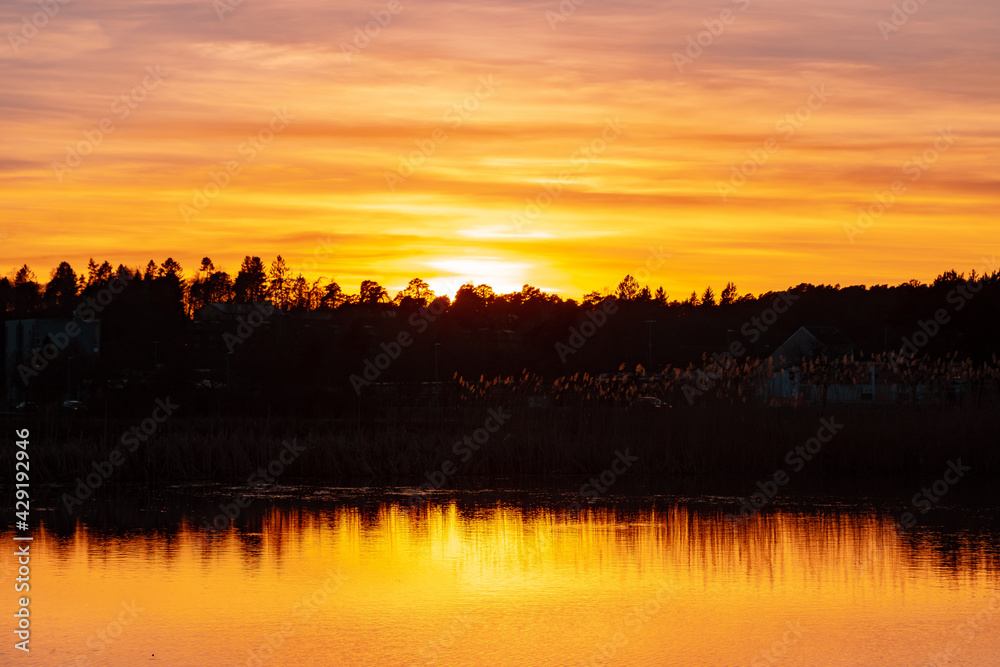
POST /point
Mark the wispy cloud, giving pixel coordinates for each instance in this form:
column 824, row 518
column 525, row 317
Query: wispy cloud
column 355, row 118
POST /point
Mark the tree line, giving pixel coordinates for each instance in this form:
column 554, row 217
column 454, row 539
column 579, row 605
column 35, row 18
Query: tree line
column 149, row 328
column 22, row 292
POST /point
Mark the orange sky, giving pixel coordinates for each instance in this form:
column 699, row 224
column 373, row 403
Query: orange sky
column 496, row 101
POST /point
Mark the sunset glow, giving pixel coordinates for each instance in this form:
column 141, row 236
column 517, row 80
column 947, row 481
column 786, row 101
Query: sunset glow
column 515, row 142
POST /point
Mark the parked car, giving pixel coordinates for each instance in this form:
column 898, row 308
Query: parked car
column 74, row 406
column 27, row 408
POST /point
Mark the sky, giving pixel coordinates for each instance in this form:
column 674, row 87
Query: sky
column 560, row 144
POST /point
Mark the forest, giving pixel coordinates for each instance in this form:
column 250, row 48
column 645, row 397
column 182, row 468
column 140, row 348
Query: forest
column 295, row 343
column 376, row 384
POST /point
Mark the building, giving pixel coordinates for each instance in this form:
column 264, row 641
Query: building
column 812, row 342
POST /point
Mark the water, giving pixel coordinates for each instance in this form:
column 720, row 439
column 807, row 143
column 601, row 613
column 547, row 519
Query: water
column 339, row 577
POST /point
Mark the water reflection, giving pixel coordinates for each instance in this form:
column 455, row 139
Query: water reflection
column 513, row 581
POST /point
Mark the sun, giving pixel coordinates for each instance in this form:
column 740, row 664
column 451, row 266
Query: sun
column 502, row 275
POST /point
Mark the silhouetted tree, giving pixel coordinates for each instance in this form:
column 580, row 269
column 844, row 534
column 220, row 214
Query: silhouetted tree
column 948, row 278
column 472, row 301
column 531, row 293
column 333, row 296
column 486, row 293
column 24, row 275
column 125, row 274
column 280, row 283
column 249, row 286
column 708, row 298
column 220, row 287
column 628, row 288
column 209, row 286
column 6, row 295
column 98, row 275
column 305, row 295
column 660, row 297
column 26, row 291
column 372, row 293
column 592, row 299
column 91, row 271
column 416, row 293
column 62, row 287
column 170, row 268
column 728, row 295
column 166, row 291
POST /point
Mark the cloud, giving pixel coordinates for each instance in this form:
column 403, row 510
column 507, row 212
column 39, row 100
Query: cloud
column 358, row 118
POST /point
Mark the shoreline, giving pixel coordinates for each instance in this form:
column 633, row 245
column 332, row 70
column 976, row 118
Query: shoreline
column 722, row 440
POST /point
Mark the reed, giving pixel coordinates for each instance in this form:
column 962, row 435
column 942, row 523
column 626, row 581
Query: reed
column 728, row 428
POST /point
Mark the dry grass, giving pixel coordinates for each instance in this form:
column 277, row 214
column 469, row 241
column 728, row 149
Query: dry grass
column 728, row 430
